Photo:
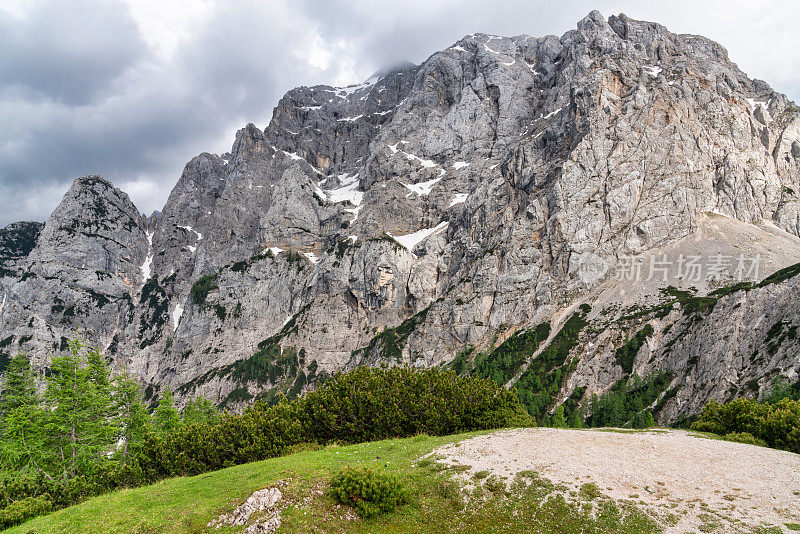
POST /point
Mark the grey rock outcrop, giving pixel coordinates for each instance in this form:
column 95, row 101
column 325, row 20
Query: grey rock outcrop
column 259, row 501
column 16, row 242
column 81, row 275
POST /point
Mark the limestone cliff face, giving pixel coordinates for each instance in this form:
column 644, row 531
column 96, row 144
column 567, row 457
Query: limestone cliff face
column 16, row 242
column 81, row 276
column 438, row 209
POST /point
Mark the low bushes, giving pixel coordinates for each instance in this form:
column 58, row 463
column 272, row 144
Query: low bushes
column 744, row 437
column 371, row 404
column 368, row 492
column 367, row 404
column 19, row 511
column 25, row 495
column 260, row 432
column 777, row 424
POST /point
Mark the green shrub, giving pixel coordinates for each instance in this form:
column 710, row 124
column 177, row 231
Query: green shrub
column 745, row 437
column 259, row 433
column 18, row 511
column 369, row 404
column 777, row 424
column 368, row 492
column 204, row 285
column 363, row 405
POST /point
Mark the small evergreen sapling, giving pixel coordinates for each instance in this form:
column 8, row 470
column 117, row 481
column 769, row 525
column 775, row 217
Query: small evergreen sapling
column 166, row 418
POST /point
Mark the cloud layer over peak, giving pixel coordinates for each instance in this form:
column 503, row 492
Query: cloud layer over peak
column 132, row 89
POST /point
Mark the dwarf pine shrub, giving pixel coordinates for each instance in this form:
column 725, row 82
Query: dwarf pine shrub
column 368, row 492
column 777, row 424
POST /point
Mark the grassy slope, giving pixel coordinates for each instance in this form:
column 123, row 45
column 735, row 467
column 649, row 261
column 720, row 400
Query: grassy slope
column 187, row 504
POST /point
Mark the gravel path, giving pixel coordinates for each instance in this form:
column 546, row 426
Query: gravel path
column 699, row 480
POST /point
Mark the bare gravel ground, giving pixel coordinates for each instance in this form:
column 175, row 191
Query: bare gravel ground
column 688, row 483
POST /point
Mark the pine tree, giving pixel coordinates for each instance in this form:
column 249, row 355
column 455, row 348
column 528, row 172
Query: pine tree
column 649, row 420
column 558, row 417
column 104, row 408
column 639, row 420
column 79, row 427
column 19, row 387
column 166, row 418
column 20, row 416
column 576, row 419
column 200, row 411
column 133, row 415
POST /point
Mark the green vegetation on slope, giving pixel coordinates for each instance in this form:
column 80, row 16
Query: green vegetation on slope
column 270, row 364
column 627, row 403
column 529, row 504
column 389, row 343
column 204, row 285
column 85, row 412
column 627, row 352
column 775, row 423
column 542, row 380
column 503, row 363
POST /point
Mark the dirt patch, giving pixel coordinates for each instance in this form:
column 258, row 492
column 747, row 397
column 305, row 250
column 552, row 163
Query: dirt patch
column 687, row 483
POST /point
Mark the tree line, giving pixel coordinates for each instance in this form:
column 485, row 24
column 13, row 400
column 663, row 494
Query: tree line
column 80, row 413
column 80, row 429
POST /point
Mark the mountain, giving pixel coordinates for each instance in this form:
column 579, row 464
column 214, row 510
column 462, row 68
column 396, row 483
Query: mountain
column 437, row 214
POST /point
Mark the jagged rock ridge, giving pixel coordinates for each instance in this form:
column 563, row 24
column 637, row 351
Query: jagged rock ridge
column 434, row 211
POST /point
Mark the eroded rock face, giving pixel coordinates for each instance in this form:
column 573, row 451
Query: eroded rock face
column 81, row 274
column 438, row 208
column 16, row 242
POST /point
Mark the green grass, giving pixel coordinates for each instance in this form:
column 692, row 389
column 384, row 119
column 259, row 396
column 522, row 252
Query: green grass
column 437, row 503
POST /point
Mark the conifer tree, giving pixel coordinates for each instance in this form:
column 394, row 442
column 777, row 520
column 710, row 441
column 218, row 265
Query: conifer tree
column 577, row 418
column 558, row 418
column 78, row 426
column 132, row 413
column 99, row 386
column 166, row 418
column 649, row 421
column 20, row 416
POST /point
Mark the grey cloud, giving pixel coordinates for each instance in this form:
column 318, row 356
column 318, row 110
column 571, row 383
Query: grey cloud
column 152, row 114
column 68, row 51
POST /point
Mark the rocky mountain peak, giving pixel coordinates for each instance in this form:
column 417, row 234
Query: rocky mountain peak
column 95, row 228
column 426, row 215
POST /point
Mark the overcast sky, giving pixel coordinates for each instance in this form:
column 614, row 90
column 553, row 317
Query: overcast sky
column 133, row 89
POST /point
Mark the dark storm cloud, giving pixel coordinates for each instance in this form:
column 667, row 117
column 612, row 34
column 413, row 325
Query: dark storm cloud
column 83, row 89
column 67, row 51
column 106, row 104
